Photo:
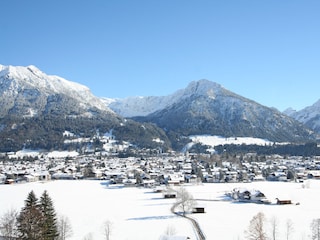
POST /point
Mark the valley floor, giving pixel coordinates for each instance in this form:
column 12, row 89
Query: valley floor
column 141, row 214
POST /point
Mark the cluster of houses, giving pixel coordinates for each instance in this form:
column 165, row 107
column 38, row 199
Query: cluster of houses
column 157, row 170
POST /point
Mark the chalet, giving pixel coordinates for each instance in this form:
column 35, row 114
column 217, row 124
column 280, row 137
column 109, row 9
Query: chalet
column 176, row 179
column 231, row 176
column 9, row 181
column 115, row 177
column 129, row 182
column 149, row 183
column 62, row 176
column 315, row 174
column 30, row 178
column 244, row 195
column 43, row 176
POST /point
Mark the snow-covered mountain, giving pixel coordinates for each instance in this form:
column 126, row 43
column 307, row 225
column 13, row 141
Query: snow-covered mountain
column 29, row 91
column 205, row 107
column 310, row 116
column 37, row 109
column 143, row 106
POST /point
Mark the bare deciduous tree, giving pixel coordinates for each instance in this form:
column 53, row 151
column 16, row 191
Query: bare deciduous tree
column 64, row 228
column 107, row 229
column 185, row 200
column 274, row 227
column 8, row 225
column 88, row 237
column 171, row 230
column 256, row 229
column 315, row 229
column 289, row 228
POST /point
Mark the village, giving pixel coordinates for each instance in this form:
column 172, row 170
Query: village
column 151, row 170
column 168, row 174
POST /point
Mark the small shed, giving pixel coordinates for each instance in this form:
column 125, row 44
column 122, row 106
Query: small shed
column 283, row 201
column 170, row 195
column 198, row 209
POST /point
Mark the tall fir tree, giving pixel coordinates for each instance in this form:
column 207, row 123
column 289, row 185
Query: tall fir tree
column 49, row 224
column 30, row 219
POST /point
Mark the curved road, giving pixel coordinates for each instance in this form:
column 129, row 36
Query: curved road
column 200, row 234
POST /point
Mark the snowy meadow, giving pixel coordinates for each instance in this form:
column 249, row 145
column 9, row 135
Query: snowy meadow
column 141, row 214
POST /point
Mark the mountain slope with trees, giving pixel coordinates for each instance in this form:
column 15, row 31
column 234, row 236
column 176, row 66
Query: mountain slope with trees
column 208, row 108
column 36, row 109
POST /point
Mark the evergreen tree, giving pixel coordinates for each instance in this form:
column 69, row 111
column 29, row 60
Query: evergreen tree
column 30, row 219
column 37, row 219
column 49, row 224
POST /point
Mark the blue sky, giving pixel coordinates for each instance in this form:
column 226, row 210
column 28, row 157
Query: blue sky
column 268, row 51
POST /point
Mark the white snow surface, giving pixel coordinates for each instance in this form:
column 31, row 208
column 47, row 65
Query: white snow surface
column 141, row 214
column 218, row 140
column 35, row 153
column 213, row 141
column 36, row 78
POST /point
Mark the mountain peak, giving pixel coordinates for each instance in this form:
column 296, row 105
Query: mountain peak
column 33, row 69
column 203, row 87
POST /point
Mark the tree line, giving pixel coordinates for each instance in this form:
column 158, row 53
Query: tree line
column 307, row 149
column 258, row 225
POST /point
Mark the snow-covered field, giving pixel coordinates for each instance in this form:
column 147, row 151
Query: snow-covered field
column 141, row 214
column 213, row 141
column 218, row 140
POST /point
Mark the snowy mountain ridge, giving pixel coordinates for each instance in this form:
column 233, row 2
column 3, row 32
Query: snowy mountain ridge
column 33, row 104
column 206, row 108
column 35, row 77
column 37, row 109
column 310, row 116
column 143, row 106
column 29, row 88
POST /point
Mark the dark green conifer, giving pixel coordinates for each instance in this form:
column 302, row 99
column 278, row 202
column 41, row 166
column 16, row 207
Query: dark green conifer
column 49, row 225
column 30, row 219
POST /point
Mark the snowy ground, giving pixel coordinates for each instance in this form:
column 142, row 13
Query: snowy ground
column 140, row 214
